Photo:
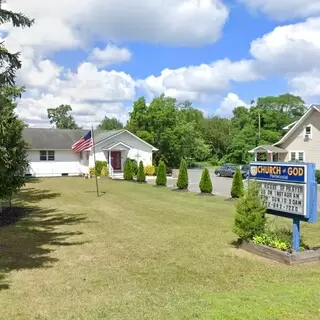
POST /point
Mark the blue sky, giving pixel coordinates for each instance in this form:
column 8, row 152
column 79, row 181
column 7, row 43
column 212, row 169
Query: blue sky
column 217, row 53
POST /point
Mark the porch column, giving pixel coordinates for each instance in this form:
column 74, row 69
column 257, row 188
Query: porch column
column 109, row 156
column 255, row 156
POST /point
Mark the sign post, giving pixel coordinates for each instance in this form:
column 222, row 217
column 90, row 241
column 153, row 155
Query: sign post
column 288, row 190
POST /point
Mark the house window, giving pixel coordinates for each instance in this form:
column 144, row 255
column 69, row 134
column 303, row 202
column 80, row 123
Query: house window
column 51, row 155
column 301, row 156
column 47, row 155
column 43, row 155
column 308, row 132
column 297, row 156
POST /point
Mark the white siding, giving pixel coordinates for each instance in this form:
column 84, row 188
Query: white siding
column 136, row 146
column 65, row 162
column 297, row 143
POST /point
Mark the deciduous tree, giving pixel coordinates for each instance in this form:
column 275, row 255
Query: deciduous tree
column 61, row 117
column 110, row 124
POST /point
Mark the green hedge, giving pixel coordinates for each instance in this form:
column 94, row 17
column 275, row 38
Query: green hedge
column 141, row 176
column 318, row 176
column 161, row 174
column 183, row 179
column 128, row 174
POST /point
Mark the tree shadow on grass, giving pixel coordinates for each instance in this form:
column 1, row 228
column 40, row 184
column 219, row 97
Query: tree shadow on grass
column 32, row 195
column 29, row 234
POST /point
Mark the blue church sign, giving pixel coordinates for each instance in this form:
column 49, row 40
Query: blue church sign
column 288, row 190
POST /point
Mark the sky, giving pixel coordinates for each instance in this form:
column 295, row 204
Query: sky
column 99, row 56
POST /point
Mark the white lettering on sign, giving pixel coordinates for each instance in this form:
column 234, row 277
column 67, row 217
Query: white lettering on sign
column 285, row 197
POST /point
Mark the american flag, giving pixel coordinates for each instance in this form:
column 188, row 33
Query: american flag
column 84, row 143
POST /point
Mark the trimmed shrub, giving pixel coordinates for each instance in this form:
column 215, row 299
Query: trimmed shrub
column 141, row 176
column 250, row 218
column 104, row 171
column 92, row 172
column 149, row 170
column 134, row 166
column 128, row 174
column 182, row 182
column 318, row 176
column 99, row 166
column 205, row 182
column 237, row 189
column 161, row 174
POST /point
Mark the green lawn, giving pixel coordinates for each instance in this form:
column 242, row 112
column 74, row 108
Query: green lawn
column 140, row 252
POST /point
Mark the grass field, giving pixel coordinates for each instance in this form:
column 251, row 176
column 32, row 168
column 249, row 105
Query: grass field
column 140, row 252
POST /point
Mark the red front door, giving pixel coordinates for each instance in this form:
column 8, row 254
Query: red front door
column 116, row 160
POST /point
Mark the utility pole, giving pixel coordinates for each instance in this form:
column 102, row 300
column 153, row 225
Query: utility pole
column 259, row 124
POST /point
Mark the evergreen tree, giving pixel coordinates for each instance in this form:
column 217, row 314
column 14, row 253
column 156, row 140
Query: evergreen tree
column 10, row 62
column 205, row 182
column 250, row 214
column 182, row 182
column 161, row 174
column 13, row 160
column 237, row 189
column 141, row 176
column 128, row 174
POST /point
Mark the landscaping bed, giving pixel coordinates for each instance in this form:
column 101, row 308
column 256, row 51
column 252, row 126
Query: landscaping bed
column 286, row 257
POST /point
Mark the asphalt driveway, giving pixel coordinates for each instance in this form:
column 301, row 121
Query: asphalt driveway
column 221, row 186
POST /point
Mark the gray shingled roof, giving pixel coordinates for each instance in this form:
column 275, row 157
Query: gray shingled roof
column 59, row 139
column 269, row 148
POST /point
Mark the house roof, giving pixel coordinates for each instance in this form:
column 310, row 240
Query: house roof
column 118, row 132
column 314, row 107
column 63, row 139
column 51, row 139
column 268, row 148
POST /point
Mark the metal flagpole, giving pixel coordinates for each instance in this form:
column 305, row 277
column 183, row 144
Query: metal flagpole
column 94, row 159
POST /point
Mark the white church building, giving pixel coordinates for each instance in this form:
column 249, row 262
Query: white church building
column 50, row 153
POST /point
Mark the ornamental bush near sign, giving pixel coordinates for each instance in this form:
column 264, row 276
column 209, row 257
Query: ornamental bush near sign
column 288, row 190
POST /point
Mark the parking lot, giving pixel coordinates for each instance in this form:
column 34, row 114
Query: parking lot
column 221, row 186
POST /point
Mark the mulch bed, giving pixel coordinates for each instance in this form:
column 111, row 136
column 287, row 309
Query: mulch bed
column 10, row 215
column 206, row 194
column 179, row 190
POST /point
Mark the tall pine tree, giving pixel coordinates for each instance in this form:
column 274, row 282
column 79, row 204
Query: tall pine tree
column 13, row 160
column 13, row 149
column 10, row 62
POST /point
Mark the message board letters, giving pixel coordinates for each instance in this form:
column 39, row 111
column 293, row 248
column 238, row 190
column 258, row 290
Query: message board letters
column 288, row 189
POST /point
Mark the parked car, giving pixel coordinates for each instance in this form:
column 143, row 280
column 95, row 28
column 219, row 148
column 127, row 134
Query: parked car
column 228, row 170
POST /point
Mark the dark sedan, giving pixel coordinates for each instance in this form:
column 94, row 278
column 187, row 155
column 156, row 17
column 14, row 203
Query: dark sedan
column 227, row 170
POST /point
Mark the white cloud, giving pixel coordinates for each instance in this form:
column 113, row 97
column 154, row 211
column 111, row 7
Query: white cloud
column 92, row 94
column 174, row 22
column 285, row 9
column 288, row 49
column 73, row 24
column 230, row 102
column 110, row 55
column 306, row 84
column 200, row 82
